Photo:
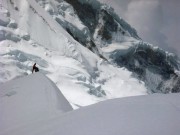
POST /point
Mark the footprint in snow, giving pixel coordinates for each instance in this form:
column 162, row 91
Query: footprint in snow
column 11, row 93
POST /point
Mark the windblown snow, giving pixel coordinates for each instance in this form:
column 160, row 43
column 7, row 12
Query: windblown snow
column 29, row 108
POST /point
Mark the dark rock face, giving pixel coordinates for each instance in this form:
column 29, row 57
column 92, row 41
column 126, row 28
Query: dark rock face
column 176, row 87
column 148, row 64
column 90, row 16
column 86, row 13
column 146, row 57
column 109, row 25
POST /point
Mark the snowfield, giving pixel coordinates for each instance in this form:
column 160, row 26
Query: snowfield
column 29, row 108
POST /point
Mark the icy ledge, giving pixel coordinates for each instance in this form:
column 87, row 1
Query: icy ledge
column 34, row 106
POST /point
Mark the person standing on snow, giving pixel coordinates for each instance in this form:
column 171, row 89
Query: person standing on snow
column 36, row 69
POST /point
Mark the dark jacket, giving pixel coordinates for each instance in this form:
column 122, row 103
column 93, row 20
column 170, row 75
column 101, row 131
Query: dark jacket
column 36, row 69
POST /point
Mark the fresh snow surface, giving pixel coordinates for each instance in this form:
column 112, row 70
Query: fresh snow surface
column 34, row 36
column 33, row 105
column 28, row 100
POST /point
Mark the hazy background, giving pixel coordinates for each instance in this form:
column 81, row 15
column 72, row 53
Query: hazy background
column 156, row 21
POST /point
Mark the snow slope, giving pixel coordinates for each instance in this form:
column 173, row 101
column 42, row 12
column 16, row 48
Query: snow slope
column 29, row 108
column 83, row 77
column 28, row 100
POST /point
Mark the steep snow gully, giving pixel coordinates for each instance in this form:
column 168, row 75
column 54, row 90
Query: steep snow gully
column 29, row 108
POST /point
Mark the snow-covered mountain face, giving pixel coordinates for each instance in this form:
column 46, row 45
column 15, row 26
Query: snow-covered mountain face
column 94, row 24
column 114, row 40
column 56, row 34
column 29, row 34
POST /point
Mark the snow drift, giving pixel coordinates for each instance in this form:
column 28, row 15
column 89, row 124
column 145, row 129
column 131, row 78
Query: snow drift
column 29, row 100
column 34, row 106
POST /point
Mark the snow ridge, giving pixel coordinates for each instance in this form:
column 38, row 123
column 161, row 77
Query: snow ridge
column 25, row 101
column 43, row 110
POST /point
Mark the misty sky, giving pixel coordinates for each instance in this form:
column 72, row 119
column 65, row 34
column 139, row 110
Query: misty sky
column 156, row 21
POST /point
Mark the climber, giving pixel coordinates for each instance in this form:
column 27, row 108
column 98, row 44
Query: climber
column 36, row 69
